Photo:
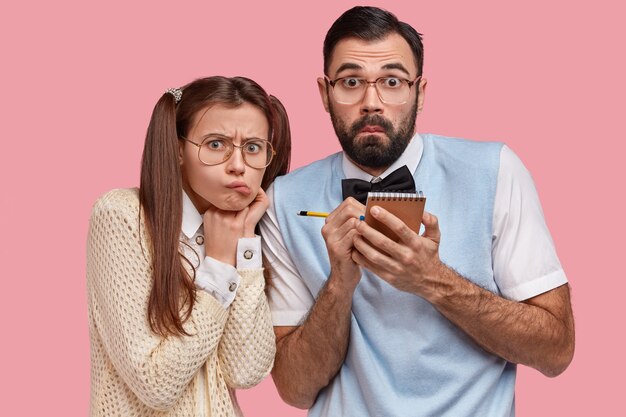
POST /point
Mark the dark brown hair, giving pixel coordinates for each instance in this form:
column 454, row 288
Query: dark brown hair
column 160, row 192
column 369, row 24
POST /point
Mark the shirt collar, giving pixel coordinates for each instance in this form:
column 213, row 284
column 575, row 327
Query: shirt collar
column 410, row 157
column 192, row 220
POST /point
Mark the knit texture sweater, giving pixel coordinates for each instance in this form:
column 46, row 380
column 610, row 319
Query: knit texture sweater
column 135, row 372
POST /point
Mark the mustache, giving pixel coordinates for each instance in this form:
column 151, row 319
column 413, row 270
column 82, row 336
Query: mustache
column 374, row 119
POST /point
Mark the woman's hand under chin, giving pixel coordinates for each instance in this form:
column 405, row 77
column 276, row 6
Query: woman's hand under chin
column 223, row 229
column 257, row 209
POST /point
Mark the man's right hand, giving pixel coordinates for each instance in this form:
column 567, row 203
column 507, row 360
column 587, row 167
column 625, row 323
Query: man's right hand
column 309, row 356
column 339, row 233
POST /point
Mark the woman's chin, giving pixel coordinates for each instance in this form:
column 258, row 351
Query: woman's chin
column 233, row 204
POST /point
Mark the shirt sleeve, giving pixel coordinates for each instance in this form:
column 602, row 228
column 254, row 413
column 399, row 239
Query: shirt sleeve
column 249, row 253
column 222, row 280
column 218, row 279
column 525, row 262
column 289, row 297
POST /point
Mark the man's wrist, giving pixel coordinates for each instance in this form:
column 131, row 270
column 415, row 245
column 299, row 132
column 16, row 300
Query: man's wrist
column 441, row 284
column 341, row 285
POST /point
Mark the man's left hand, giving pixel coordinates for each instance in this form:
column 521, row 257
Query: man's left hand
column 412, row 264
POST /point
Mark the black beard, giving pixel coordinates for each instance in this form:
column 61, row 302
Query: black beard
column 371, row 151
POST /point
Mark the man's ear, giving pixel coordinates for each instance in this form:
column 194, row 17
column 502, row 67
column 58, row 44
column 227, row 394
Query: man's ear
column 421, row 91
column 323, row 86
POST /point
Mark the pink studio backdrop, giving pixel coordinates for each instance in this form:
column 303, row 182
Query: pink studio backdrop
column 79, row 80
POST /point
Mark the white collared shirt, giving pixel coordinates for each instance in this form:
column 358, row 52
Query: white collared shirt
column 519, row 234
column 217, row 278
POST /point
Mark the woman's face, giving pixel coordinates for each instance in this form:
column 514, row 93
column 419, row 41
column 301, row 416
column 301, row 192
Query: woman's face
column 231, row 185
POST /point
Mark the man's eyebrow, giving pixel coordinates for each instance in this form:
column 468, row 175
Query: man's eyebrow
column 392, row 65
column 397, row 66
column 348, row 66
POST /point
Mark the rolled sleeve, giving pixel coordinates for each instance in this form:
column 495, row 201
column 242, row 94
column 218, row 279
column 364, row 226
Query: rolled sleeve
column 525, row 262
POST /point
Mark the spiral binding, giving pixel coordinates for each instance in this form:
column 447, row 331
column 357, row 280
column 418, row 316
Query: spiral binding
column 396, row 196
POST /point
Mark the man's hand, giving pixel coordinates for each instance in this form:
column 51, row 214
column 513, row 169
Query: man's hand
column 538, row 332
column 412, row 264
column 309, row 356
column 339, row 233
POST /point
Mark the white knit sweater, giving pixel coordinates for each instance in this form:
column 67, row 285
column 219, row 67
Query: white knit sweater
column 134, row 372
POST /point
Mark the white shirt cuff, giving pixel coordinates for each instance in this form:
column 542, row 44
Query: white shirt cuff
column 535, row 287
column 249, row 253
column 288, row 318
column 218, row 279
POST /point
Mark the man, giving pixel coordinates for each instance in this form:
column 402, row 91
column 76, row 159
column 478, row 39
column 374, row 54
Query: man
column 431, row 325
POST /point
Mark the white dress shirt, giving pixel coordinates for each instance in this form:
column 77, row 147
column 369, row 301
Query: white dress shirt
column 525, row 263
column 215, row 277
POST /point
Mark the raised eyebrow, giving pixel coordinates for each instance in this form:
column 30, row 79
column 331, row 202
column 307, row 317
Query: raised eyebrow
column 397, row 66
column 348, row 66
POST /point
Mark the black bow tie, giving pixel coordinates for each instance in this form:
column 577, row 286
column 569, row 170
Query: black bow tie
column 399, row 180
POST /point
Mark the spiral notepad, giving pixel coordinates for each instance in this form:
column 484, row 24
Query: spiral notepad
column 408, row 207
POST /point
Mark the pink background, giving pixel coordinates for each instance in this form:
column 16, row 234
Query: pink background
column 79, row 80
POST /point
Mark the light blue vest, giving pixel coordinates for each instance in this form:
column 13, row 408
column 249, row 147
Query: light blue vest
column 404, row 358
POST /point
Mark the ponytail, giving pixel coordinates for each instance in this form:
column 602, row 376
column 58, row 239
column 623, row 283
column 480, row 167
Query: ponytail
column 160, row 194
column 281, row 141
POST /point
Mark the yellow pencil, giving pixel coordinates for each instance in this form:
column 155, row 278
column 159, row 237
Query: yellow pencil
column 312, row 214
column 318, row 214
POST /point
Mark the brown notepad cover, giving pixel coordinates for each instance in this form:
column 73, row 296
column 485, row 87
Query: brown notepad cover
column 408, row 207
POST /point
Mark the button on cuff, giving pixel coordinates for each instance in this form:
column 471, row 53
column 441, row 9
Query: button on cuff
column 219, row 279
column 249, row 253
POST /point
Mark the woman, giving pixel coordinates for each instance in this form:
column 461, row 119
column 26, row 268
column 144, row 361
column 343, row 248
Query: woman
column 177, row 310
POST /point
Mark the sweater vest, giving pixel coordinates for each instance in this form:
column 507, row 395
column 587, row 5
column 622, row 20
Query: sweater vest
column 404, row 358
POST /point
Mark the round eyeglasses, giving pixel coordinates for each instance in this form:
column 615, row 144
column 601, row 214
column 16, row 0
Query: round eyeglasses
column 390, row 90
column 215, row 150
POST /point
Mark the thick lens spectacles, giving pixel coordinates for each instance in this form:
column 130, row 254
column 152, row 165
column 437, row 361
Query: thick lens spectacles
column 215, row 150
column 390, row 90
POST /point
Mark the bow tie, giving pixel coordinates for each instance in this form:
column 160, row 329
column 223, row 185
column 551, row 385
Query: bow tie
column 399, row 180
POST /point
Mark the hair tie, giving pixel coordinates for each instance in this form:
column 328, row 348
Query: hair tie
column 176, row 92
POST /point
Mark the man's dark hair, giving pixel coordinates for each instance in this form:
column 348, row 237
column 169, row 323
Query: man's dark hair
column 371, row 23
